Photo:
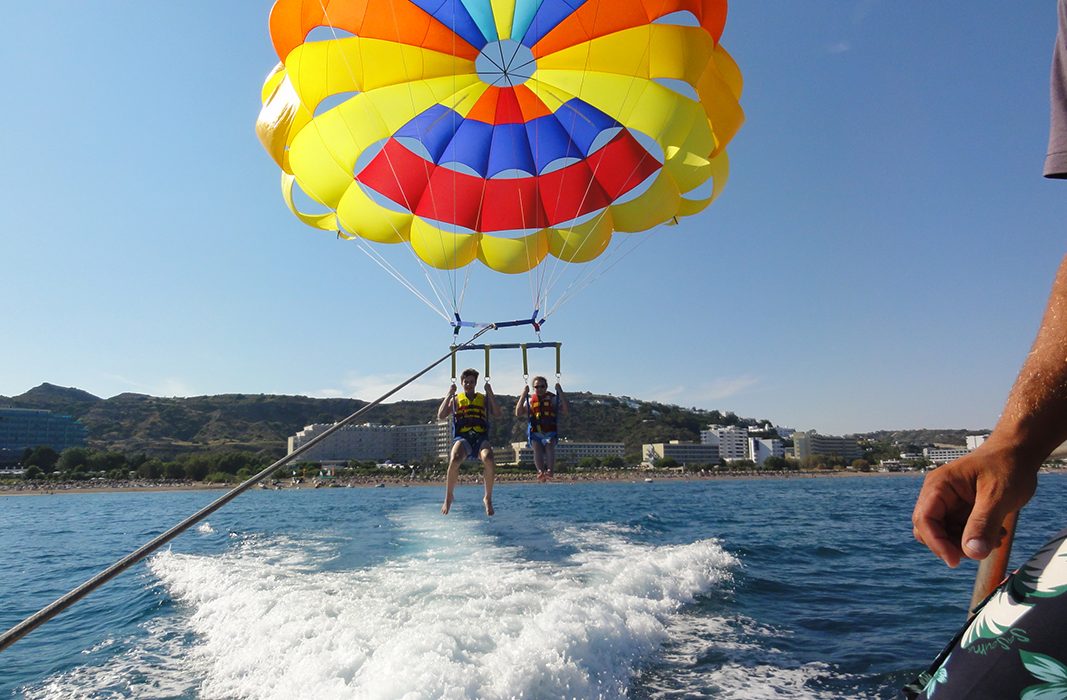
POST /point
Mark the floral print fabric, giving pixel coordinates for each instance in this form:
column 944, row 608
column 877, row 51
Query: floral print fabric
column 1016, row 644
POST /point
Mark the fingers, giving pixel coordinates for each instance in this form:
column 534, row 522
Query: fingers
column 931, row 532
column 938, row 519
column 984, row 528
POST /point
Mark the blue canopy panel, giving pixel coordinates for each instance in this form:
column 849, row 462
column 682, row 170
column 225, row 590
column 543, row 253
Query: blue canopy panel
column 510, row 150
column 525, row 11
column 548, row 15
column 488, row 149
column 481, row 11
column 455, row 16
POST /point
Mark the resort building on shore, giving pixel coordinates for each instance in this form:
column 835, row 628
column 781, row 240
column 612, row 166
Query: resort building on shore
column 568, row 452
column 943, row 455
column 731, row 441
column 401, row 443
column 22, row 428
column 762, row 448
column 681, row 452
column 806, row 444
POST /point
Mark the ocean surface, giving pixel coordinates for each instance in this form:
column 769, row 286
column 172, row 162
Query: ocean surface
column 792, row 588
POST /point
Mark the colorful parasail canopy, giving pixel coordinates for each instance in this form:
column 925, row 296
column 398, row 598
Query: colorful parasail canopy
column 505, row 131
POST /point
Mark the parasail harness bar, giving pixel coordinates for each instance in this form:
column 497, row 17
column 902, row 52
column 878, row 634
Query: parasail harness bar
column 60, row 604
column 506, row 346
column 532, row 321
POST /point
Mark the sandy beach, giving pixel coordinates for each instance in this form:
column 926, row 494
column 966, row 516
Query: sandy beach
column 42, row 488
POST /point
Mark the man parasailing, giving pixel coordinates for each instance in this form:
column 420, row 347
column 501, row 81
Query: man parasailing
column 470, row 412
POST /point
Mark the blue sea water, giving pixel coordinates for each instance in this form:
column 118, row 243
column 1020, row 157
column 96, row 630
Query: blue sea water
column 791, row 588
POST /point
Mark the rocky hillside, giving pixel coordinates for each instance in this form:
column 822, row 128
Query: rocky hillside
column 166, row 427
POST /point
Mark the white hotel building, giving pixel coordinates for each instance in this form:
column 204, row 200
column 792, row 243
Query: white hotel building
column 568, row 452
column 806, row 444
column 681, row 452
column 731, row 440
column 944, row 455
column 762, row 448
column 400, row 443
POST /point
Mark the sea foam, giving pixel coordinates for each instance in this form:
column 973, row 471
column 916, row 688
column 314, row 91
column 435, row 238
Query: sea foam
column 462, row 618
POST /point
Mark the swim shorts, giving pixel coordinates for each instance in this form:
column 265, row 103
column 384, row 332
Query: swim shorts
column 543, row 438
column 1015, row 645
column 475, row 442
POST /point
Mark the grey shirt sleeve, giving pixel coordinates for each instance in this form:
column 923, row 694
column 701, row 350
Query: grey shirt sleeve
column 1056, row 161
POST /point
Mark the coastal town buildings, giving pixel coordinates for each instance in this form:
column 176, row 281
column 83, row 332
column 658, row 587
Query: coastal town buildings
column 22, row 428
column 408, row 443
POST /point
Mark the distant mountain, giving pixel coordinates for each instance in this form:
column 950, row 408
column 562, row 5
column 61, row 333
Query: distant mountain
column 53, row 398
column 923, row 437
column 166, row 427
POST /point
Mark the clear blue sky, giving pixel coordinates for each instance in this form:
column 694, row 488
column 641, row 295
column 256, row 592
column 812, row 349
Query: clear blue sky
column 880, row 257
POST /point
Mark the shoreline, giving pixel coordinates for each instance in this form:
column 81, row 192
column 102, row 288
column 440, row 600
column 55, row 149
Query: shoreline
column 49, row 489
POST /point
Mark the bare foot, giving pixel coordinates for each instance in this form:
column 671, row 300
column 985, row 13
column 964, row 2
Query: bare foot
column 541, row 476
column 447, row 504
column 488, row 506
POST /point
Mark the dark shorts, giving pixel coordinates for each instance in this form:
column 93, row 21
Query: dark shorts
column 1016, row 644
column 476, row 442
column 543, row 438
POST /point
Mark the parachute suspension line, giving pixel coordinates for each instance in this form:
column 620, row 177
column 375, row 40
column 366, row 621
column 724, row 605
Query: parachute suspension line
column 532, row 275
column 608, row 259
column 463, row 291
column 59, row 605
column 456, row 303
column 445, row 285
column 536, row 275
column 440, row 310
column 556, row 271
column 599, row 270
column 378, row 257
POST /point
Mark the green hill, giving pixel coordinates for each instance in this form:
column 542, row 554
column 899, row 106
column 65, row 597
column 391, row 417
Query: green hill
column 261, row 423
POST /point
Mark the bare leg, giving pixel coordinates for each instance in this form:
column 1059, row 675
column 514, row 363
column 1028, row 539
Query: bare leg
column 490, row 477
column 459, row 453
column 550, row 458
column 539, row 458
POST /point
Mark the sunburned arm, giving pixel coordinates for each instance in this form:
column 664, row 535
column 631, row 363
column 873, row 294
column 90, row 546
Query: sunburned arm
column 962, row 505
column 1033, row 423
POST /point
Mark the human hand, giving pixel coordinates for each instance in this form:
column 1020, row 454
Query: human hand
column 526, row 391
column 558, row 388
column 961, row 508
column 452, row 390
